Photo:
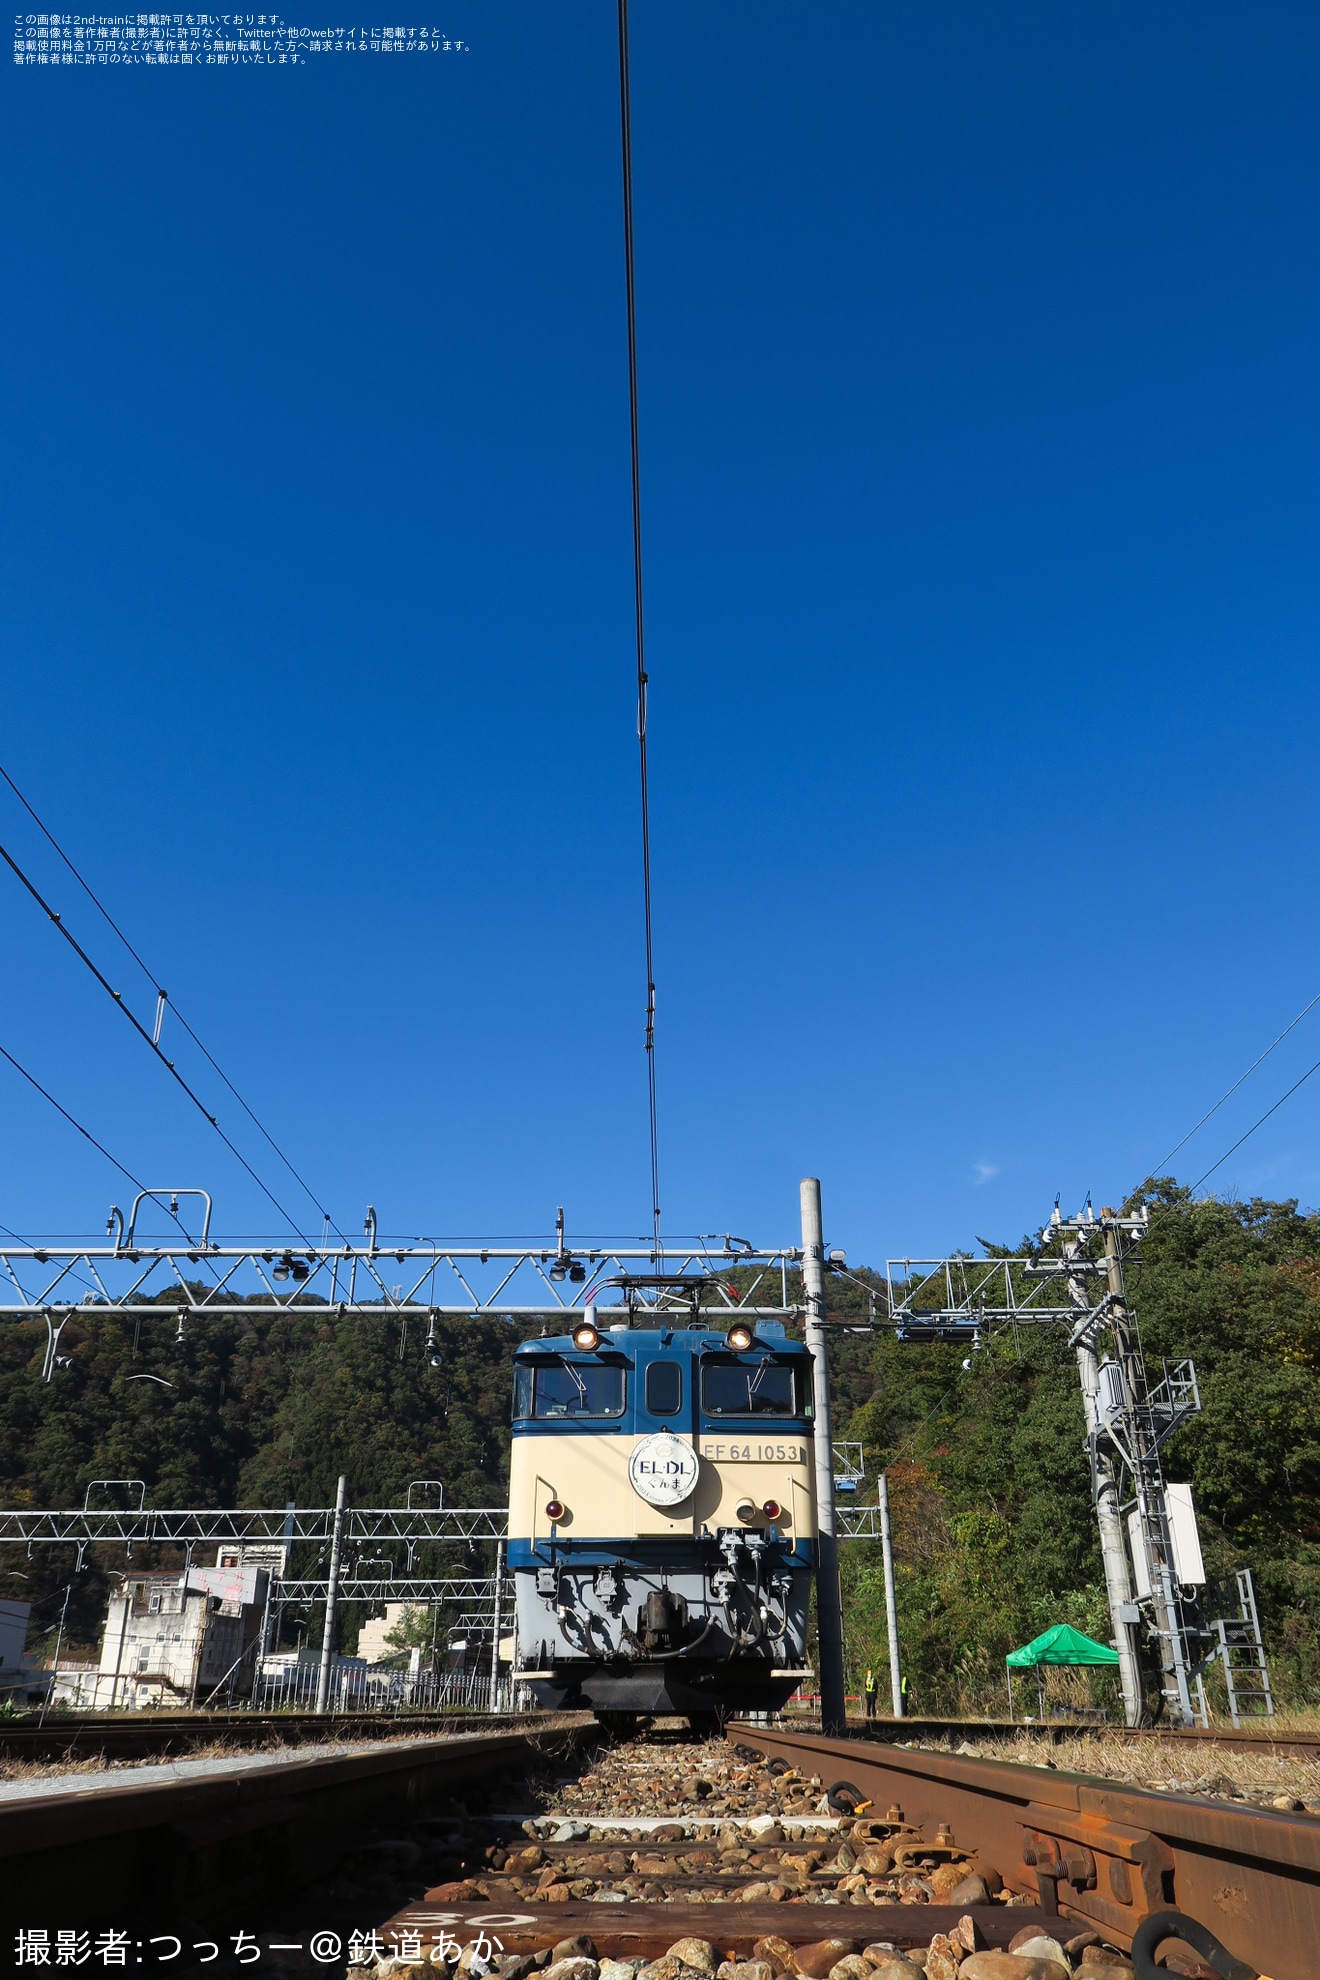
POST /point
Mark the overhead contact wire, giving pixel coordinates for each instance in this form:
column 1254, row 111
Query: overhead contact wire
column 219, row 1070
column 1256, row 1124
column 625, row 132
column 117, row 999
column 86, row 1133
column 1236, row 1083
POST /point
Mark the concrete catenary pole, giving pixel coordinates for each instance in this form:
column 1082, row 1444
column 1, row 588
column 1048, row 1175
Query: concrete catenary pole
column 829, row 1608
column 1108, row 1518
column 1148, row 1486
column 891, row 1600
column 331, row 1601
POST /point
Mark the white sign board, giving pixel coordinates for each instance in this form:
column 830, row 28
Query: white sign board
column 663, row 1469
column 245, row 1586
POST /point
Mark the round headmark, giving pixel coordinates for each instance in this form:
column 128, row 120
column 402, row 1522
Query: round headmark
column 663, row 1470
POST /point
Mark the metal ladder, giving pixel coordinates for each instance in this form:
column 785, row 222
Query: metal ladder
column 1240, row 1648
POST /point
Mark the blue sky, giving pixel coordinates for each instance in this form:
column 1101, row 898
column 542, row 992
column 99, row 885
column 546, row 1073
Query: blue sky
column 979, row 421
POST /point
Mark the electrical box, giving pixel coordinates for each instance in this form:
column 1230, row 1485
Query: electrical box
column 1187, row 1562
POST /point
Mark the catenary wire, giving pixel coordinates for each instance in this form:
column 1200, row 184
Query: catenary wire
column 150, row 975
column 625, row 132
column 86, row 1133
column 1255, row 1124
column 117, row 998
column 1234, row 1087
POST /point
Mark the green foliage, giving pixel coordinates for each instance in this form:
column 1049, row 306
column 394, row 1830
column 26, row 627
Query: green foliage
column 994, row 1532
column 259, row 1411
column 994, row 1535
column 412, row 1631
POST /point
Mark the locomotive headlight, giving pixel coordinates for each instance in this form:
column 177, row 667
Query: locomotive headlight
column 585, row 1337
column 772, row 1509
column 555, row 1509
column 746, row 1510
column 740, row 1337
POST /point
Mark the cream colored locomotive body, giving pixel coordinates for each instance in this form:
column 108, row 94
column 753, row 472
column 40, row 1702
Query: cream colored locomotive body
column 662, row 1521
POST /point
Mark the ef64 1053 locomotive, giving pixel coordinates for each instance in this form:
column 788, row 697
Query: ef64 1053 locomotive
column 662, row 1517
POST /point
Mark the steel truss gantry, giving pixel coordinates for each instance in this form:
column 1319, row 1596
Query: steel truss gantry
column 193, row 1277
column 143, row 1526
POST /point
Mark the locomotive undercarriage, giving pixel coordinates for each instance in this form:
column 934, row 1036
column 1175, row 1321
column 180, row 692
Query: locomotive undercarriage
column 624, row 1635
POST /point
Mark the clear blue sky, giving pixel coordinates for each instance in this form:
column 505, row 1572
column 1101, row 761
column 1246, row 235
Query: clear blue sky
column 980, row 433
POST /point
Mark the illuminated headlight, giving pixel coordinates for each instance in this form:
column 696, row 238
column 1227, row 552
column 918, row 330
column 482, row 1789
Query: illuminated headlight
column 585, row 1337
column 740, row 1337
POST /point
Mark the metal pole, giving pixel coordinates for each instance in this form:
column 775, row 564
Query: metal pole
column 891, row 1603
column 119, row 1654
column 59, row 1638
column 495, row 1626
column 331, row 1598
column 829, row 1610
column 1109, row 1520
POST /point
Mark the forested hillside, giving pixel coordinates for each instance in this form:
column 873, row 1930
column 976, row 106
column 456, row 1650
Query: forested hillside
column 993, row 1522
column 993, row 1525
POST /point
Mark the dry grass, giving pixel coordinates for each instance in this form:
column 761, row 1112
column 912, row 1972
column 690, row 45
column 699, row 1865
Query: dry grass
column 1207, row 1767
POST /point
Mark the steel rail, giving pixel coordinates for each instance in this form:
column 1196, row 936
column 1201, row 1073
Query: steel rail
column 1094, row 1851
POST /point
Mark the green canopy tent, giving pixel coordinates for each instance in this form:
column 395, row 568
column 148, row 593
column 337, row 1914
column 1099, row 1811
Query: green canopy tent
column 1060, row 1645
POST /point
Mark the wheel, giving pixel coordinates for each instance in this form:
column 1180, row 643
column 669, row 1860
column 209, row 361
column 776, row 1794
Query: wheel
column 619, row 1725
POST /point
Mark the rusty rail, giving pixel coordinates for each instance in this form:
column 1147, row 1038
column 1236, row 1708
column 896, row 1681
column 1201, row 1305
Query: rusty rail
column 1095, row 1851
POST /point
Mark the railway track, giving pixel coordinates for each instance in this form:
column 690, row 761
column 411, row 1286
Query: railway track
column 676, row 1860
column 158, row 1735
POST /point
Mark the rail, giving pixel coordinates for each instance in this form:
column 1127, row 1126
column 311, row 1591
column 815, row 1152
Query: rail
column 1097, row 1852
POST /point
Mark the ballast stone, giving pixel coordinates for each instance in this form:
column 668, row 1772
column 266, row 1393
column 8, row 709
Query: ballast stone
column 1032, row 1943
column 1011, row 1966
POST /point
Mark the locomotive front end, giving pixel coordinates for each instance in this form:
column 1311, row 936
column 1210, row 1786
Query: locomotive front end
column 662, row 1519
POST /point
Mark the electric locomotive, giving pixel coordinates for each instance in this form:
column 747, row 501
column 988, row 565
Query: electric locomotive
column 662, row 1517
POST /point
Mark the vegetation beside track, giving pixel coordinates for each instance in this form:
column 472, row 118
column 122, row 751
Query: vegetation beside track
column 993, row 1521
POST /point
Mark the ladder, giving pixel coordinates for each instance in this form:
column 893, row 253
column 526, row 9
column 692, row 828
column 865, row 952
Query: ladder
column 1242, row 1652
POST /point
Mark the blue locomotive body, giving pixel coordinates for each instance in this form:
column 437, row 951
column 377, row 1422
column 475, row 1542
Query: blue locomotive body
column 662, row 1519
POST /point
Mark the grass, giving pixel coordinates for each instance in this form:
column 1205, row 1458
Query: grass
column 1204, row 1766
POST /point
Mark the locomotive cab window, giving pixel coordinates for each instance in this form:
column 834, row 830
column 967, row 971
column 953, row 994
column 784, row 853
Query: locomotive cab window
column 755, row 1388
column 664, row 1388
column 563, row 1389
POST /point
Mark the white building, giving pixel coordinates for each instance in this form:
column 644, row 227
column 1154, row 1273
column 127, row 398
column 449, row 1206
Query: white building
column 172, row 1639
column 372, row 1646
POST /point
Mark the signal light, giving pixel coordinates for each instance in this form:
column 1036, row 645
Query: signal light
column 740, row 1337
column 555, row 1509
column 772, row 1509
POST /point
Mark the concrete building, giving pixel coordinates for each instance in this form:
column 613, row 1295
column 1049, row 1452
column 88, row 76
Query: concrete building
column 372, row 1647
column 172, row 1639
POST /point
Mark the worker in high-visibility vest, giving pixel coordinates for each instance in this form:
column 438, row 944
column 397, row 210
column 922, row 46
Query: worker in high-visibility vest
column 870, row 1689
